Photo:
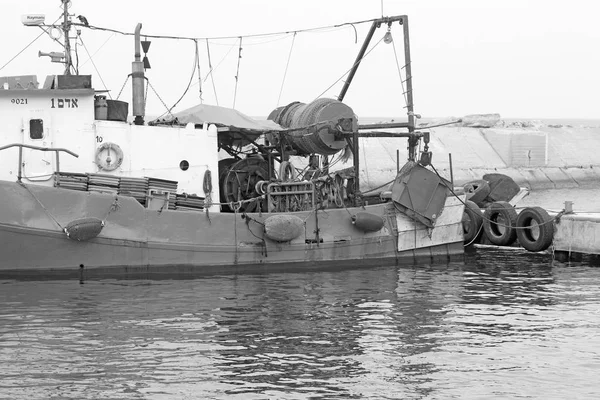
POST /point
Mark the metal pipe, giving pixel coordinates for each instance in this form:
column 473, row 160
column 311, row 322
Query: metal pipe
column 409, row 96
column 361, row 54
column 137, row 79
column 451, row 171
column 384, row 125
column 356, row 166
column 28, row 146
column 414, row 135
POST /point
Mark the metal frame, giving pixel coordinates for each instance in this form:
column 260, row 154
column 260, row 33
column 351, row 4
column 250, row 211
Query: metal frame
column 310, row 192
column 20, row 146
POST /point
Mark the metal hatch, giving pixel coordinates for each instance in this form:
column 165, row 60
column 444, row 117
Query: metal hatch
column 420, row 193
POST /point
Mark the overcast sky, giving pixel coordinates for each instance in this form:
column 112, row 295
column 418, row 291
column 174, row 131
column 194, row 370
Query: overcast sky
column 519, row 58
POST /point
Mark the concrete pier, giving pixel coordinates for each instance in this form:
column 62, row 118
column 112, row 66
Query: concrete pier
column 577, row 233
column 536, row 156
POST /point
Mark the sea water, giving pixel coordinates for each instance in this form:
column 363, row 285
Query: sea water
column 502, row 324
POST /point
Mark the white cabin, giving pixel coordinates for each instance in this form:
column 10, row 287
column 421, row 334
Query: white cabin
column 73, row 119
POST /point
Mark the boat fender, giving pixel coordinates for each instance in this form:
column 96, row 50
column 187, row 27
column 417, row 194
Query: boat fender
column 83, row 229
column 499, row 223
column 535, row 229
column 207, row 182
column 108, row 163
column 477, row 191
column 283, row 228
column 367, row 222
column 472, row 222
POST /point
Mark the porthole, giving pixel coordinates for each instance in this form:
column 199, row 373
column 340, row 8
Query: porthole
column 184, row 165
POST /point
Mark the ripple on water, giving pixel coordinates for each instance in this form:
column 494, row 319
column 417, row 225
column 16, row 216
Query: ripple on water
column 501, row 325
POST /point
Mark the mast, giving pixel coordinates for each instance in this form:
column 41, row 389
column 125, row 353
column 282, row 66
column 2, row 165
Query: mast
column 413, row 141
column 66, row 27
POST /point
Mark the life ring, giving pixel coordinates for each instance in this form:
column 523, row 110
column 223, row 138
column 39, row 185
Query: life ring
column 535, row 229
column 472, row 221
column 287, row 172
column 477, row 191
column 499, row 223
column 104, row 156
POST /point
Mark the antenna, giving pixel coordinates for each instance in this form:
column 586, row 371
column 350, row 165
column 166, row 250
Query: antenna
column 66, row 27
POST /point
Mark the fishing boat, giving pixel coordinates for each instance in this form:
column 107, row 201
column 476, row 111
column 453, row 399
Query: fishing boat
column 89, row 191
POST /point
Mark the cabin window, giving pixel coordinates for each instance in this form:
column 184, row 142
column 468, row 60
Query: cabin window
column 184, row 165
column 36, row 129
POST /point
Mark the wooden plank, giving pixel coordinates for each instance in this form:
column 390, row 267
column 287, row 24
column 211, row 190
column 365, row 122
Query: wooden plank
column 448, row 228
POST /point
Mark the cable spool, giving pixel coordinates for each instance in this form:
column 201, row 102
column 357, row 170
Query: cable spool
column 238, row 181
column 300, row 115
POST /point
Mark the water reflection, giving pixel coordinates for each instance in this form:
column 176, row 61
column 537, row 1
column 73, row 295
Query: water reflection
column 488, row 327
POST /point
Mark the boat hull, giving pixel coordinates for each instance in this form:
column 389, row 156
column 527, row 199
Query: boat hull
column 140, row 243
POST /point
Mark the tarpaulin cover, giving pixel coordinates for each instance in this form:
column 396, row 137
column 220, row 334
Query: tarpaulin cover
column 224, row 116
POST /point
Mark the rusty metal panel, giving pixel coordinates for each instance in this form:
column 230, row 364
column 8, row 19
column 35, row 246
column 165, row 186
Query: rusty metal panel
column 420, row 194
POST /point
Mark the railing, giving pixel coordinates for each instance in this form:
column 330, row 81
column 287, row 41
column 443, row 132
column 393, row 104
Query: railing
column 20, row 146
column 290, row 196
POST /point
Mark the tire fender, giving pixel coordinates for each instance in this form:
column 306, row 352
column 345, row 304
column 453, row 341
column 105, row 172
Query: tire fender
column 477, row 191
column 500, row 222
column 472, row 221
column 535, row 229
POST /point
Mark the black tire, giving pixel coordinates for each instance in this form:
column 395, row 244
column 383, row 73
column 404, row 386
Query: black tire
column 477, row 191
column 499, row 223
column 535, row 229
column 472, row 221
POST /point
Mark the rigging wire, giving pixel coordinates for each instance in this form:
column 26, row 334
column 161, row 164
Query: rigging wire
column 210, row 72
column 237, row 73
column 199, row 73
column 353, row 65
column 99, row 48
column 400, row 74
column 218, row 64
column 315, row 29
column 94, row 64
column 26, row 47
column 286, row 69
column 186, row 89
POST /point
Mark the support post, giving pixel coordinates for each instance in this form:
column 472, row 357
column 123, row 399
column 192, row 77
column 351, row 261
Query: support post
column 356, row 166
column 66, row 29
column 451, row 171
column 409, row 90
